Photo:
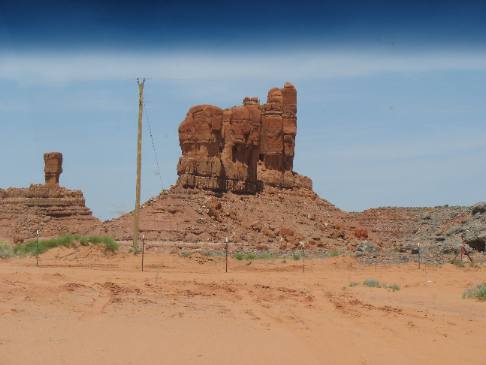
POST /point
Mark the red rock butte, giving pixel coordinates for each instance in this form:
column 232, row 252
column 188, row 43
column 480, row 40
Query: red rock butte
column 243, row 148
column 48, row 207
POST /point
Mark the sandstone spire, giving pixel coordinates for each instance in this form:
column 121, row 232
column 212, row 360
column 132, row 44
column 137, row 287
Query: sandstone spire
column 52, row 168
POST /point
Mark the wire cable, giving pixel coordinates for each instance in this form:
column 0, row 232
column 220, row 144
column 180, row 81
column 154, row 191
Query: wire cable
column 156, row 159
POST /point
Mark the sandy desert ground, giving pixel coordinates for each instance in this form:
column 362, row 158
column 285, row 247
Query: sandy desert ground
column 82, row 307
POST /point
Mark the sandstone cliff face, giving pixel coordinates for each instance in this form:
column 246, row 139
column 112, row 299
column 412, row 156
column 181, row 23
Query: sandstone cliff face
column 243, row 148
column 49, row 208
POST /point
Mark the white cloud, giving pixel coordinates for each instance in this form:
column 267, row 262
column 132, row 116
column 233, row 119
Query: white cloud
column 63, row 67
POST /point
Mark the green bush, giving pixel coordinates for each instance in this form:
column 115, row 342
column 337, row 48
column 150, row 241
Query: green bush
column 478, row 292
column 34, row 247
column 296, row 256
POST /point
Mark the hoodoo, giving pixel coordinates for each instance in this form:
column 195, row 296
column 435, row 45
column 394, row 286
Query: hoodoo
column 48, row 207
column 52, row 168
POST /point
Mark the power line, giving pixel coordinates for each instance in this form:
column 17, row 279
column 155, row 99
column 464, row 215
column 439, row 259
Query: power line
column 156, row 159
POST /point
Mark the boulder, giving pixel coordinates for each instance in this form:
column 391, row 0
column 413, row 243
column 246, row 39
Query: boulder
column 366, row 248
column 479, row 208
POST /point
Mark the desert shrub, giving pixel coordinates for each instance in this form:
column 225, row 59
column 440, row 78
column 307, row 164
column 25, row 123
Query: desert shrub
column 186, row 253
column 458, row 263
column 353, row 284
column 109, row 243
column 392, row 287
column 34, row 247
column 296, row 256
column 264, row 255
column 6, row 251
column 212, row 253
column 135, row 250
column 478, row 292
column 372, row 283
column 333, row 253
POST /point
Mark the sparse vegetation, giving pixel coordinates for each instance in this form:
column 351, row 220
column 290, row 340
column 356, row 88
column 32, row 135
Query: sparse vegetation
column 392, row 287
column 212, row 253
column 252, row 256
column 135, row 250
column 296, row 256
column 478, row 292
column 34, row 247
column 373, row 283
column 353, row 284
column 186, row 253
column 6, row 251
column 333, row 253
column 458, row 263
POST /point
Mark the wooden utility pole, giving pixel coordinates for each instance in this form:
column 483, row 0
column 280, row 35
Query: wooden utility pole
column 136, row 218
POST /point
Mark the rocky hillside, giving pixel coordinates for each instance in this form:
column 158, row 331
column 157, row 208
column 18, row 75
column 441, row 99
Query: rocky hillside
column 272, row 218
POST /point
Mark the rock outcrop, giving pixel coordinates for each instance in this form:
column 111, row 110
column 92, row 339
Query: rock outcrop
column 49, row 208
column 243, row 148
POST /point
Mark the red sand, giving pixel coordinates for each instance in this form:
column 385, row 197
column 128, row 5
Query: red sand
column 81, row 307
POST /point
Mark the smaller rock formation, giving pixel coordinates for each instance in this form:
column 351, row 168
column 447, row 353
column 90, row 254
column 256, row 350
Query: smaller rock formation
column 50, row 208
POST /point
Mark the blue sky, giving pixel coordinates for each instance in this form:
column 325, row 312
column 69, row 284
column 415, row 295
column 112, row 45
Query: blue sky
column 391, row 98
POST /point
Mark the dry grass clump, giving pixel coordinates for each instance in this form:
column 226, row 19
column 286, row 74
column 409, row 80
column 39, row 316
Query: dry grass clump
column 478, row 292
column 6, row 251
